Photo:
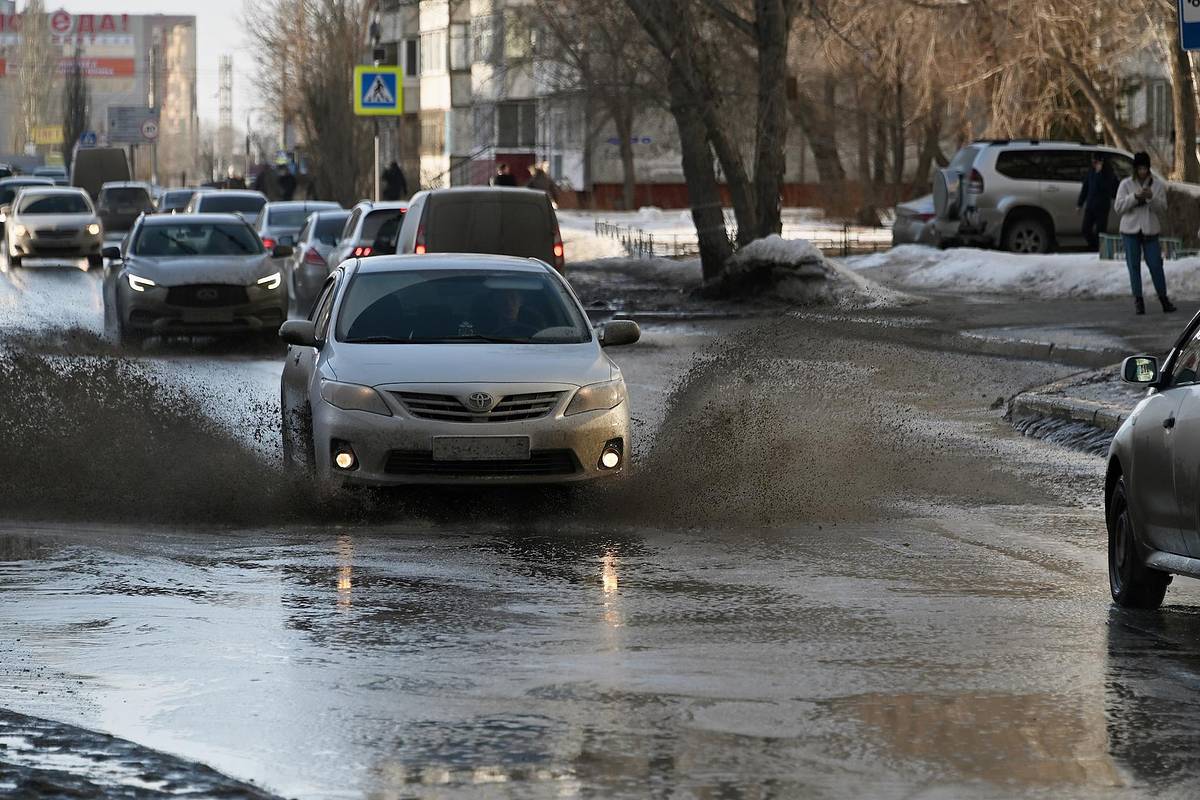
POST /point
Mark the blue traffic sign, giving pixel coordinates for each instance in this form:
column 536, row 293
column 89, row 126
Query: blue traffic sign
column 378, row 91
column 1189, row 24
column 88, row 139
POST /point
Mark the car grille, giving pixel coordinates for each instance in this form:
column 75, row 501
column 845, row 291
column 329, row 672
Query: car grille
column 540, row 462
column 448, row 408
column 207, row 295
column 46, row 233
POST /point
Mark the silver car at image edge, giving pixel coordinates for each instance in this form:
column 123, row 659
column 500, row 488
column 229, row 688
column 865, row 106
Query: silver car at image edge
column 452, row 369
column 1152, row 485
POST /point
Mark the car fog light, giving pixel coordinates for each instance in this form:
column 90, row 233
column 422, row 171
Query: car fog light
column 610, row 459
column 344, row 460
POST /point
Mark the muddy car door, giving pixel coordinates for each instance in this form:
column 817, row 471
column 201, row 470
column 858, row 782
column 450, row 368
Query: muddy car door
column 1186, row 459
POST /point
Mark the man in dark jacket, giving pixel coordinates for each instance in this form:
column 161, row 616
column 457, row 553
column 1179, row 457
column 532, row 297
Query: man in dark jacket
column 1096, row 197
column 504, row 176
column 395, row 185
column 286, row 183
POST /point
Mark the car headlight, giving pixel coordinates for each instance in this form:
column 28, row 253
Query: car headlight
column 94, row 229
column 598, row 397
column 139, row 284
column 352, row 397
column 271, row 281
column 19, row 230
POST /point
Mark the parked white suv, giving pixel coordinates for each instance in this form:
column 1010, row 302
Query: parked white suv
column 1018, row 195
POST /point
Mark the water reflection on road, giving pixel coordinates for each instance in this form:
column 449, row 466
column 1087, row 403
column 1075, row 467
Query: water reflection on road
column 556, row 663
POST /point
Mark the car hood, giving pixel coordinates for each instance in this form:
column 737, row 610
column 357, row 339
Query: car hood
column 383, row 364
column 184, row 270
column 73, row 221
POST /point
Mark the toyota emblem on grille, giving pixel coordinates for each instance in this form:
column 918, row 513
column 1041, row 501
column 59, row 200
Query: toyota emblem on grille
column 480, row 401
column 206, row 294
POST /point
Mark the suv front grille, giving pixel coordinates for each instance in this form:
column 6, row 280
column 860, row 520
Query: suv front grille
column 207, row 295
column 448, row 408
column 540, row 462
column 48, row 233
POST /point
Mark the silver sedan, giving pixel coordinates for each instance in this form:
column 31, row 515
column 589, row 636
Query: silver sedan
column 452, row 369
column 1152, row 490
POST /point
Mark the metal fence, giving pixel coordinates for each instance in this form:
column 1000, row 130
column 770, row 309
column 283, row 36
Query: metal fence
column 639, row 243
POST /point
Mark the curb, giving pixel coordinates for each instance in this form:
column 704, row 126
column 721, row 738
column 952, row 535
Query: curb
column 1101, row 416
column 1043, row 351
column 1050, row 413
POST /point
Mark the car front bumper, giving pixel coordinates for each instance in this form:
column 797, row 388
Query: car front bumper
column 77, row 245
column 398, row 449
column 157, row 311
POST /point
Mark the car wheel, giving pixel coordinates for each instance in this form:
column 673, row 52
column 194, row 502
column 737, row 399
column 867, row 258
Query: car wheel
column 1133, row 584
column 1026, row 235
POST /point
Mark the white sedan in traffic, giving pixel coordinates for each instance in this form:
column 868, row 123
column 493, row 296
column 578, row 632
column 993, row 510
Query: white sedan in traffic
column 452, row 369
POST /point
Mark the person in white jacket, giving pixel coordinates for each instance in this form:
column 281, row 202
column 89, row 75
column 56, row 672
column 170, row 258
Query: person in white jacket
column 1142, row 203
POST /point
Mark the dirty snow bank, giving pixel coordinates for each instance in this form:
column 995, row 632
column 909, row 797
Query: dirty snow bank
column 796, row 272
column 1061, row 275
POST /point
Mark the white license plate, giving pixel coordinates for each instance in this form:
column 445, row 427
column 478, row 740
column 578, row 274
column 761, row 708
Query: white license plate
column 480, row 448
column 208, row 315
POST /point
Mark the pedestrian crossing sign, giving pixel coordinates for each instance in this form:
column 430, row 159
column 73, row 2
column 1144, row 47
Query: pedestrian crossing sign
column 378, row 91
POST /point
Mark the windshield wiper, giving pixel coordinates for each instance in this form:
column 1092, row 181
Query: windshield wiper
column 241, row 244
column 379, row 340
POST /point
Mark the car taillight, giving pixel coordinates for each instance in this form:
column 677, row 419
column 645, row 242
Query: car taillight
column 362, row 252
column 975, row 182
column 314, row 258
column 560, row 252
column 268, row 243
column 420, row 246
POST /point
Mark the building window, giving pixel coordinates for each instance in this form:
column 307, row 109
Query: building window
column 433, row 52
column 460, row 47
column 516, row 124
column 1160, row 110
column 433, row 133
column 483, row 37
column 411, row 64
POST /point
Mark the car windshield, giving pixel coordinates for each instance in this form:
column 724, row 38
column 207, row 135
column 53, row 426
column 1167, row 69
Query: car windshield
column 9, row 191
column 197, row 239
column 217, row 203
column 174, row 200
column 55, row 204
column 469, row 306
column 288, row 218
column 125, row 196
column 329, row 228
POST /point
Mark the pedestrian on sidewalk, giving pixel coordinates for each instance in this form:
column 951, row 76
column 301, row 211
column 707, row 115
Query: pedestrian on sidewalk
column 504, row 176
column 395, row 184
column 1142, row 204
column 1096, row 198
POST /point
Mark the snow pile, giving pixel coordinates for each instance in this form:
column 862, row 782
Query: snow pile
column 796, row 272
column 1061, row 275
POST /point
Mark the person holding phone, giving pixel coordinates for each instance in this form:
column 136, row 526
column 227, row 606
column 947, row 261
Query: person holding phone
column 1142, row 204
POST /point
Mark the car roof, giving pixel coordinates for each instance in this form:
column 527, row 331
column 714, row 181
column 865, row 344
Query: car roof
column 55, row 190
column 325, row 204
column 181, row 219
column 30, row 180
column 383, row 205
column 124, row 185
column 484, row 190
column 449, row 261
column 237, row 193
column 1056, row 144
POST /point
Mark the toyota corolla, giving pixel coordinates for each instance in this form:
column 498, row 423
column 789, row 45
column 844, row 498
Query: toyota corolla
column 452, row 369
column 195, row 274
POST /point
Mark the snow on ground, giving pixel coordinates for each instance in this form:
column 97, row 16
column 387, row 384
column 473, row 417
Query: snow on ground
column 1060, row 275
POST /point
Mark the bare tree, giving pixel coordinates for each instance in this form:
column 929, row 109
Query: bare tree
column 37, row 64
column 76, row 106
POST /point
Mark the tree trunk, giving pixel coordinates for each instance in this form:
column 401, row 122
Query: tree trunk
column 1183, row 96
column 898, row 135
column 1104, row 110
column 704, row 196
column 771, row 28
column 863, row 129
column 623, row 120
column 822, row 139
column 879, row 171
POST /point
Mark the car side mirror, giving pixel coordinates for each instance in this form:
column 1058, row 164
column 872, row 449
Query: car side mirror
column 619, row 332
column 111, row 253
column 302, row 332
column 282, row 251
column 1141, row 370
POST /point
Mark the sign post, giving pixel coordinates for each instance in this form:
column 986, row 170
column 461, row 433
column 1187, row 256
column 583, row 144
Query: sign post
column 378, row 92
column 1189, row 24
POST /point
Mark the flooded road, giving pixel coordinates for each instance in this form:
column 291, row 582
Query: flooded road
column 836, row 573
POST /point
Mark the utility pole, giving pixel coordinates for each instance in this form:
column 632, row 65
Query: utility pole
column 225, row 111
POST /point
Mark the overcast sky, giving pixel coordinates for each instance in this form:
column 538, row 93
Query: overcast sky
column 218, row 32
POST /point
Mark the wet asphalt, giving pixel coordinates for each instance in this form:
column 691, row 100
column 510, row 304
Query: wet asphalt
column 837, row 572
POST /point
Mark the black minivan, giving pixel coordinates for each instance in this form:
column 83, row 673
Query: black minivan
column 502, row 221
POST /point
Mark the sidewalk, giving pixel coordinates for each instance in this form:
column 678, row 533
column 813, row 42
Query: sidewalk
column 1082, row 411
